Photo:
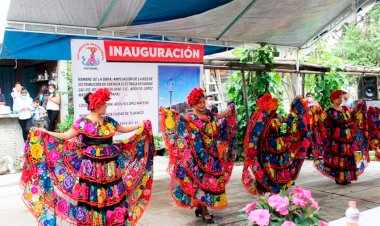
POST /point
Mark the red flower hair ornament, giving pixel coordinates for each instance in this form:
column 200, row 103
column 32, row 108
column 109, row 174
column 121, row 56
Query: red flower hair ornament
column 336, row 94
column 194, row 96
column 98, row 98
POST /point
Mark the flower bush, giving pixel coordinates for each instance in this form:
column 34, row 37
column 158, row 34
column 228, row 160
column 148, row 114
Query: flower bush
column 297, row 208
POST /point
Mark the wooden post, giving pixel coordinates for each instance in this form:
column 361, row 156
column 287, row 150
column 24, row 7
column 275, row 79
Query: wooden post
column 245, row 96
column 303, row 85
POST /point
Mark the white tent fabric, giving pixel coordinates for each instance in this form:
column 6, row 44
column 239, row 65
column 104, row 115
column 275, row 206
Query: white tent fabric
column 290, row 23
column 88, row 13
column 285, row 22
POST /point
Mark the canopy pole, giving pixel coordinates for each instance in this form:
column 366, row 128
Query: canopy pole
column 108, row 11
column 245, row 97
column 236, row 19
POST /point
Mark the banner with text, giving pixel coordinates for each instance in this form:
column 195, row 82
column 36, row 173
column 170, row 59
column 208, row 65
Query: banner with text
column 141, row 76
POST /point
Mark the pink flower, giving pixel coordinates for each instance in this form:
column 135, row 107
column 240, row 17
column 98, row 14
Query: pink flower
column 259, row 217
column 34, row 190
column 302, row 193
column 54, row 157
column 283, row 210
column 89, row 128
column 323, row 223
column 288, row 223
column 198, row 123
column 314, row 204
column 119, row 215
column 248, row 208
column 133, row 173
column 51, row 139
column 110, row 218
column 62, row 206
column 186, row 154
column 299, row 202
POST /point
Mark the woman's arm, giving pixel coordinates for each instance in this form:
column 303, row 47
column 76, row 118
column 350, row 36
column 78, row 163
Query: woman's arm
column 16, row 106
column 127, row 129
column 64, row 136
column 224, row 113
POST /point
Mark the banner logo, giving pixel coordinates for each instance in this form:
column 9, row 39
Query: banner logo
column 90, row 55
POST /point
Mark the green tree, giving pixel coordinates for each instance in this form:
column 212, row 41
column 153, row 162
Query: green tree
column 361, row 41
column 257, row 83
column 66, row 123
column 323, row 84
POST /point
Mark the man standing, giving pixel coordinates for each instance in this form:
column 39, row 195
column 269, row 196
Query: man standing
column 210, row 107
column 347, row 101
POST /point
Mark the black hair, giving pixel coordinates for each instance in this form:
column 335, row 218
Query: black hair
column 86, row 98
column 212, row 96
column 24, row 90
column 52, row 85
column 36, row 100
column 18, row 83
column 307, row 94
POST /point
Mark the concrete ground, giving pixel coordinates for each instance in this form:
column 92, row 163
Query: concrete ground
column 161, row 211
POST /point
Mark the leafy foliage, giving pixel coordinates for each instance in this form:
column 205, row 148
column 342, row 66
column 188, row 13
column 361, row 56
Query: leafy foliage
column 360, row 42
column 257, row 84
column 68, row 121
column 324, row 84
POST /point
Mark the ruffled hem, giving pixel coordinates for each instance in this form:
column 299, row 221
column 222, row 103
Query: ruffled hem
column 41, row 198
column 187, row 155
column 272, row 161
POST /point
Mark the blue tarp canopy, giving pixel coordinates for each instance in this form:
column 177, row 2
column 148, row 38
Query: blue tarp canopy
column 42, row 29
column 40, row 46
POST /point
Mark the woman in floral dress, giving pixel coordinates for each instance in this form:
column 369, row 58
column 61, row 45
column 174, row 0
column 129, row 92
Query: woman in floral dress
column 344, row 151
column 83, row 177
column 274, row 147
column 202, row 153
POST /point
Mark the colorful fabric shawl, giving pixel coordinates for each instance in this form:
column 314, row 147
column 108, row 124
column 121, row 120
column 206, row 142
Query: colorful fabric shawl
column 94, row 183
column 274, row 157
column 374, row 130
column 202, row 154
column 344, row 152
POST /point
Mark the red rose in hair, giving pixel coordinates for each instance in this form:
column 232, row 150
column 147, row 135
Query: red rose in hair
column 194, row 96
column 100, row 97
column 264, row 101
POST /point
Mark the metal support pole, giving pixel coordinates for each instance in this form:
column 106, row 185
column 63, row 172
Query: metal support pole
column 245, row 96
column 171, row 86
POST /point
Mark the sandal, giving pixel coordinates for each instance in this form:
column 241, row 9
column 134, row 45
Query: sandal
column 208, row 221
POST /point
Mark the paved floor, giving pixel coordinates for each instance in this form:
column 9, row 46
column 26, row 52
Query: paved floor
column 162, row 211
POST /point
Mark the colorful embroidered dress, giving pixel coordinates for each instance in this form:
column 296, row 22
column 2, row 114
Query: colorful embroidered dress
column 314, row 127
column 88, row 180
column 274, row 151
column 344, row 152
column 374, row 130
column 202, row 155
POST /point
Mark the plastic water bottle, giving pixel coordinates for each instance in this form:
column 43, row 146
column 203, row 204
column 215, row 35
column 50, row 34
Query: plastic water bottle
column 352, row 214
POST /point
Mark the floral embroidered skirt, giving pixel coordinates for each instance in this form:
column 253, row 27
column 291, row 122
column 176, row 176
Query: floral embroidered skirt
column 273, row 157
column 103, row 184
column 200, row 167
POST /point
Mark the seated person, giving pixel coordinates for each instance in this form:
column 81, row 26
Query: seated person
column 39, row 115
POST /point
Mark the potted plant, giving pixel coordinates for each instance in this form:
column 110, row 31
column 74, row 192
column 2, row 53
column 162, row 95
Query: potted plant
column 296, row 208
